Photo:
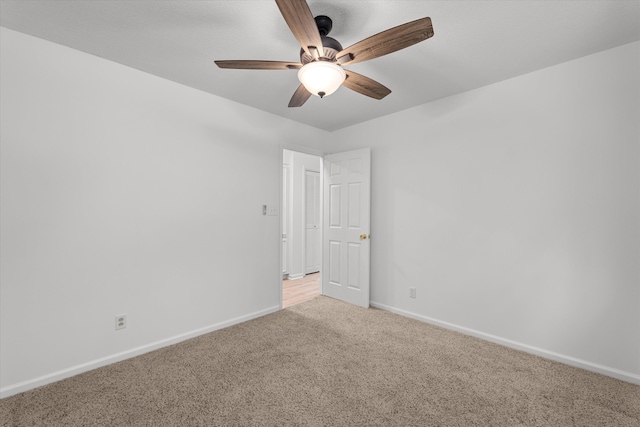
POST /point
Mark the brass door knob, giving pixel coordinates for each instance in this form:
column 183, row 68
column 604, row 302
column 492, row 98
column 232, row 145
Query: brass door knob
column 363, row 236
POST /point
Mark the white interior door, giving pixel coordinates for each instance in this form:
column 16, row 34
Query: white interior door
column 313, row 236
column 346, row 219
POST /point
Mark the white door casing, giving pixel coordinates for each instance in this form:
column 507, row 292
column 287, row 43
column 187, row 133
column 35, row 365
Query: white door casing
column 313, row 229
column 286, row 172
column 346, row 225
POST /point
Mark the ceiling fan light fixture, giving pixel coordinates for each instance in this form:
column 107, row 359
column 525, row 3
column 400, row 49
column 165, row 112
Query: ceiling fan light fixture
column 322, row 57
column 321, row 78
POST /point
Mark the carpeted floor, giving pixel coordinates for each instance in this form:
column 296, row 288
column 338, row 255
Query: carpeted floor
column 327, row 363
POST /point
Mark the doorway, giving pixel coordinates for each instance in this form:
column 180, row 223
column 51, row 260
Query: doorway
column 301, row 226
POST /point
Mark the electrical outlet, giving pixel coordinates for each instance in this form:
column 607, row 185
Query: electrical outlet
column 121, row 321
column 412, row 292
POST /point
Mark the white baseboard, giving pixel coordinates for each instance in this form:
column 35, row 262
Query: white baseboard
column 568, row 360
column 295, row 276
column 12, row 389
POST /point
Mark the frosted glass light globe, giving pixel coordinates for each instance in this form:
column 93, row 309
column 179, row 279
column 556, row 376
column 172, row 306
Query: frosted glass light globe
column 321, row 78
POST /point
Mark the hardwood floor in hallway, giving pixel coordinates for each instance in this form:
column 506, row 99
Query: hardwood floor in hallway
column 300, row 290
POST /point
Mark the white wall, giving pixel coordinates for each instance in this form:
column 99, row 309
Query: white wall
column 514, row 210
column 300, row 162
column 125, row 193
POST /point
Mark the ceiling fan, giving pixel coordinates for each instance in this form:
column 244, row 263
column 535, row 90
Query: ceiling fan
column 322, row 58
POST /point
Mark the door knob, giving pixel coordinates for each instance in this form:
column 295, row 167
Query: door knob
column 363, row 236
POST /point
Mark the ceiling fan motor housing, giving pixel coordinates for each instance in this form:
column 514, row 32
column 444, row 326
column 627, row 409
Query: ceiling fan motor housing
column 330, row 46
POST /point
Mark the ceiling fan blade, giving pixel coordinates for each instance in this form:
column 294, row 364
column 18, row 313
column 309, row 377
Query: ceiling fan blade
column 258, row 65
column 365, row 85
column 300, row 20
column 299, row 97
column 387, row 41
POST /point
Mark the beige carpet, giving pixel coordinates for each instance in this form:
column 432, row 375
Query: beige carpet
column 326, row 363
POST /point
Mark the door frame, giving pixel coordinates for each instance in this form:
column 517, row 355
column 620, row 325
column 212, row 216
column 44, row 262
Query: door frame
column 319, row 194
column 304, row 150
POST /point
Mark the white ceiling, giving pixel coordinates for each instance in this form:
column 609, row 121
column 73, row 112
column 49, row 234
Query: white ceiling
column 475, row 43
